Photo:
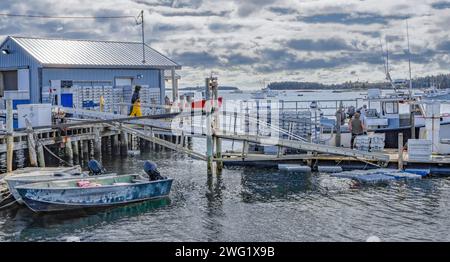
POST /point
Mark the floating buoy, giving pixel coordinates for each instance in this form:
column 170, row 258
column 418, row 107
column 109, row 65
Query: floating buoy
column 294, row 168
column 134, row 153
column 329, row 169
column 73, row 239
column 373, row 239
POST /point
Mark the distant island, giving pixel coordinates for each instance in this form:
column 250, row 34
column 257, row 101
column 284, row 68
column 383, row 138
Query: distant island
column 202, row 88
column 439, row 81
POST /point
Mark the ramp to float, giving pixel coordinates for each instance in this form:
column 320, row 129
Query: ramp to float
column 311, row 147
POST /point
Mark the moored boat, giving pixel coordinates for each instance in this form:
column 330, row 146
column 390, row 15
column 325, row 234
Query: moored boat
column 35, row 175
column 95, row 192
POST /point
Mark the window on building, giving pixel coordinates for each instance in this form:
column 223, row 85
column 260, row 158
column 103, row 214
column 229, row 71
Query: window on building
column 9, row 82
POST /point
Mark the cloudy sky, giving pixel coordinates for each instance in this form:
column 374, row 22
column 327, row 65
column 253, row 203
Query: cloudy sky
column 247, row 42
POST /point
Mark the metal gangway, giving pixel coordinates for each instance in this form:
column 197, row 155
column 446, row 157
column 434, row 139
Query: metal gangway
column 131, row 125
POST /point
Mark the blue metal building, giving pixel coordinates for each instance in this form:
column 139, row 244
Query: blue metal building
column 31, row 68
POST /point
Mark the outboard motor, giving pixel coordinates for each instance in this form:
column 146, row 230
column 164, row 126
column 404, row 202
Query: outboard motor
column 95, row 168
column 152, row 171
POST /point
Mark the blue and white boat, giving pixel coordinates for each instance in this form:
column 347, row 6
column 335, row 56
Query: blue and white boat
column 95, row 192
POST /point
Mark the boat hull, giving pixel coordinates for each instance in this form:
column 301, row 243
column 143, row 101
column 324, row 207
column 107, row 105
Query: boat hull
column 63, row 199
column 20, row 180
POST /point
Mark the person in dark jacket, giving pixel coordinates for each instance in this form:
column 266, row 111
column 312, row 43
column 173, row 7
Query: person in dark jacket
column 136, row 102
column 356, row 127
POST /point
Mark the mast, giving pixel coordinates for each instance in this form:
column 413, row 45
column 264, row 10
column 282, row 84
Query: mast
column 409, row 59
column 387, row 60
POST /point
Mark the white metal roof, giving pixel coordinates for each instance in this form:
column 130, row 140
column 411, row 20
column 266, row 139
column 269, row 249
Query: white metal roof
column 90, row 53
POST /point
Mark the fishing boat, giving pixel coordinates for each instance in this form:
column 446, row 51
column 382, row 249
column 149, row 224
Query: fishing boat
column 434, row 93
column 95, row 192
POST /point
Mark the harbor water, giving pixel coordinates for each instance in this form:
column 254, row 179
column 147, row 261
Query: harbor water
column 248, row 204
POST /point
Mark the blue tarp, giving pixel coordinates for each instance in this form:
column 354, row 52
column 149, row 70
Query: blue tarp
column 420, row 172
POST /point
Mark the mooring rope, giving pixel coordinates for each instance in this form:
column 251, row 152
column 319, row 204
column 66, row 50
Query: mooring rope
column 8, row 204
column 54, row 155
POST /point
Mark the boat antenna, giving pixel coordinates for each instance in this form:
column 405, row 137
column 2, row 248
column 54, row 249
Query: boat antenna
column 386, row 64
column 382, row 55
column 409, row 59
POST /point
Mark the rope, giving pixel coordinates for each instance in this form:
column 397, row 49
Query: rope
column 8, row 204
column 55, row 156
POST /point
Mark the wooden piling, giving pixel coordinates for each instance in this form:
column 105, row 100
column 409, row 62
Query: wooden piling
column 31, row 145
column 76, row 154
column 412, row 121
column 115, row 145
column 209, row 138
column 9, row 136
column 81, row 148
column 97, row 144
column 123, row 143
column 40, row 155
column 338, row 126
column 216, row 126
column 400, row 151
column 85, row 150
column 91, row 149
column 68, row 150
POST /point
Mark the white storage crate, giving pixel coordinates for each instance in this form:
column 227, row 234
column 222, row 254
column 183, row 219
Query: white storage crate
column 419, row 149
column 37, row 114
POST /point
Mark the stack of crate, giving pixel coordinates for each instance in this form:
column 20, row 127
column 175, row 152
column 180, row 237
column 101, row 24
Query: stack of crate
column 299, row 123
column 362, row 143
column 419, row 149
column 108, row 97
column 377, row 143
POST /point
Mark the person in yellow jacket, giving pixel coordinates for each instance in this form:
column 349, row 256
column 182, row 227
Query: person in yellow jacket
column 136, row 102
column 102, row 103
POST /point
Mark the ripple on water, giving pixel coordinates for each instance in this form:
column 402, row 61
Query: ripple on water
column 249, row 204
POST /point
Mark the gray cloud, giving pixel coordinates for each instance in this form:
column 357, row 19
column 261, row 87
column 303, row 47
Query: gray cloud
column 351, row 18
column 331, row 44
column 266, row 37
column 239, row 59
column 196, row 59
column 444, row 46
column 223, row 27
column 279, row 10
column 441, row 5
column 196, row 13
column 247, row 7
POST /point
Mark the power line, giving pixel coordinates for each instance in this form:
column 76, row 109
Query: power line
column 67, row 17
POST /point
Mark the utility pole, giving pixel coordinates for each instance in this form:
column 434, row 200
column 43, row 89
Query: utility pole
column 141, row 22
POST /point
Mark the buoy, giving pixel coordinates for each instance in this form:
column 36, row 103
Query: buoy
column 294, row 168
column 373, row 239
column 329, row 169
column 73, row 239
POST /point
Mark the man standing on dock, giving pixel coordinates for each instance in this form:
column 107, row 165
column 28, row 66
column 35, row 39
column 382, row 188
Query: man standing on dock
column 356, row 127
column 136, row 102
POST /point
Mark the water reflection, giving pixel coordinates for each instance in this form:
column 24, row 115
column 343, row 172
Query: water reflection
column 270, row 185
column 214, row 206
column 29, row 226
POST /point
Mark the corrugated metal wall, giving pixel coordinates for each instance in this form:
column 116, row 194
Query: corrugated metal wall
column 19, row 59
column 147, row 77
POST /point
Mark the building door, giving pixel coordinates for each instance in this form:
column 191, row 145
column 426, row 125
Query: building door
column 125, row 85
